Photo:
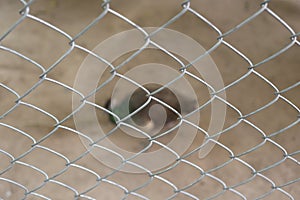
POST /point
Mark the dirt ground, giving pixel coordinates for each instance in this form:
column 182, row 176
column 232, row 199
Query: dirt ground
column 258, row 40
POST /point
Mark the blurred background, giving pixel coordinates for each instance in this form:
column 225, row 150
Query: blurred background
column 39, row 160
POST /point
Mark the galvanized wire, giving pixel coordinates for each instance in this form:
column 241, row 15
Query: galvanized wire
column 287, row 188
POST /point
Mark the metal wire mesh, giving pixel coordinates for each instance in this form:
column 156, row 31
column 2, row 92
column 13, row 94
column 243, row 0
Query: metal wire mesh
column 255, row 155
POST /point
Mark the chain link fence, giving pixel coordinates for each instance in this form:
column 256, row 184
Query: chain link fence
column 46, row 154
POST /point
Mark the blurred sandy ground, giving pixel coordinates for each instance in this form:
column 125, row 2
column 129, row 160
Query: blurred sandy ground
column 259, row 39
